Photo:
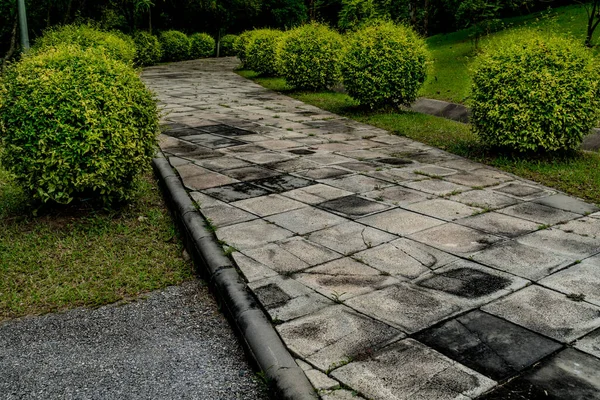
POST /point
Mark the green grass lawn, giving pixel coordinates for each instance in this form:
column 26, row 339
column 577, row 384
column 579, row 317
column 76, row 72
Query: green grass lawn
column 75, row 256
column 453, row 53
column 577, row 174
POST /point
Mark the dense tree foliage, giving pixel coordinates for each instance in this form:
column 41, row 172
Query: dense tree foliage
column 221, row 17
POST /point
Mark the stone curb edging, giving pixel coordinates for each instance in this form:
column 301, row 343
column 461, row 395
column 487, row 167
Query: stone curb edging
column 288, row 380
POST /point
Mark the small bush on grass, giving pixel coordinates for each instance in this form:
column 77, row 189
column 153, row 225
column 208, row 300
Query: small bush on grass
column 535, row 92
column 175, row 45
column 310, row 57
column 202, row 45
column 76, row 123
column 384, row 64
column 262, row 51
column 148, row 50
column 227, row 45
column 116, row 44
column 241, row 46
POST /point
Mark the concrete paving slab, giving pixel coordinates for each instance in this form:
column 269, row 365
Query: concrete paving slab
column 437, row 187
column 567, row 203
column 309, row 252
column 558, row 241
column 474, row 180
column 404, row 258
column 410, row 370
column 252, row 269
column 334, row 335
column 581, row 280
column 539, row 213
column 397, row 195
column 489, row 345
column 236, row 191
column 222, row 163
column 286, row 299
column 250, row 173
column 357, row 183
column 268, row 205
column 315, row 194
column 305, row 220
column 455, row 239
column 521, row 260
column 499, row 224
column 340, row 394
column 324, row 173
column 586, row 226
column 248, row 235
column 547, row 312
column 223, row 214
column 350, row 237
column 344, row 278
column 521, row 190
column 276, row 258
column 590, row 343
column 484, row 199
column 570, row 375
column 471, row 282
column 283, row 183
column 353, row 206
column 400, row 222
column 443, row 209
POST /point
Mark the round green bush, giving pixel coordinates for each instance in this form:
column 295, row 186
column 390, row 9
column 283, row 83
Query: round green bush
column 175, row 46
column 384, row 64
column 76, row 123
column 202, row 45
column 227, row 45
column 309, row 57
column 534, row 91
column 241, row 46
column 116, row 44
column 148, row 50
column 262, row 51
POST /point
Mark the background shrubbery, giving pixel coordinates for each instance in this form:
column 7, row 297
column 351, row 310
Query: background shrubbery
column 310, row 57
column 228, row 45
column 175, row 45
column 261, row 51
column 148, row 50
column 201, row 45
column 384, row 64
column 116, row 45
column 535, row 92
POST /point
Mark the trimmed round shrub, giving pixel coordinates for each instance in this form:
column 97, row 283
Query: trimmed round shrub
column 241, row 46
column 116, row 44
column 202, row 45
column 148, row 50
column 227, row 46
column 76, row 123
column 262, row 51
column 384, row 64
column 175, row 45
column 534, row 91
column 310, row 55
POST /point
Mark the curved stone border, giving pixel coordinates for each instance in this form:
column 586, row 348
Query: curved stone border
column 287, row 379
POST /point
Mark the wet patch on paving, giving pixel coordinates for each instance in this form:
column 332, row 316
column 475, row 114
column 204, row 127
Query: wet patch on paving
column 390, row 268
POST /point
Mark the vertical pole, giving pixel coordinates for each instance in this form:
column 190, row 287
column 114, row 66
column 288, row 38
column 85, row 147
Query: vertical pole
column 23, row 25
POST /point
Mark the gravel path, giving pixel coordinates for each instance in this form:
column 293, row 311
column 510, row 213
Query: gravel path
column 174, row 344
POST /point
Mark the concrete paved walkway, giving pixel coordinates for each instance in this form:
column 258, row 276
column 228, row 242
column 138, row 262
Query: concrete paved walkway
column 392, row 269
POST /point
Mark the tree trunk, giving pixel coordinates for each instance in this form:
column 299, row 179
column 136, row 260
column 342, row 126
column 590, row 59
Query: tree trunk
column 13, row 44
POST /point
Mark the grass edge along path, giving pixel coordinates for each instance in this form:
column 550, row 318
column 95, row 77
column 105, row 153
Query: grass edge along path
column 576, row 174
column 71, row 257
